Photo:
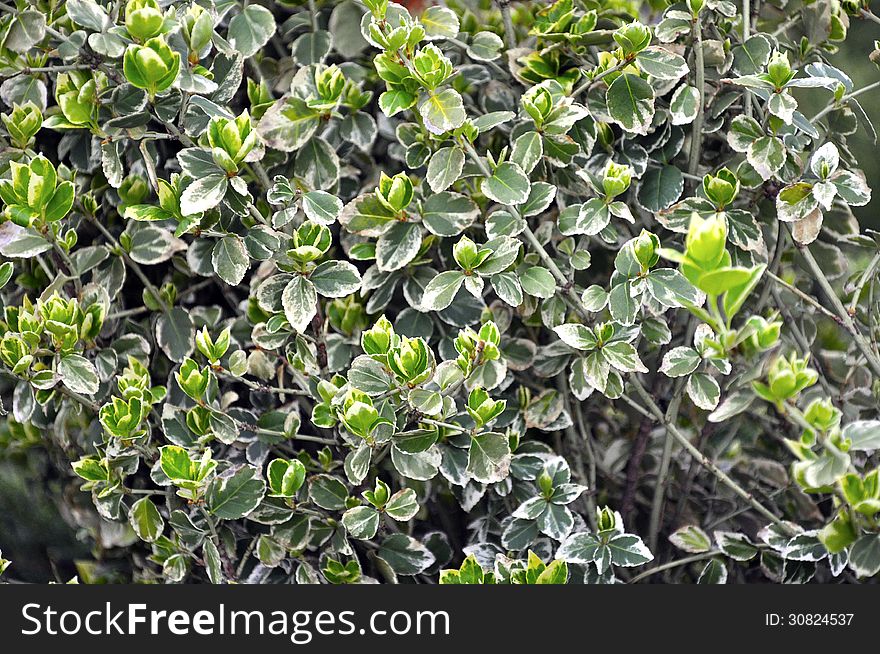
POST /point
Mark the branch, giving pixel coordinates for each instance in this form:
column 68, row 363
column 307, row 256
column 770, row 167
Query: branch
column 704, row 460
column 509, row 30
column 849, row 96
column 697, row 130
column 845, row 319
column 131, row 263
column 535, row 244
column 674, row 564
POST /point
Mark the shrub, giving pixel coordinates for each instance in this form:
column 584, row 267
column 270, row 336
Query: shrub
column 516, row 293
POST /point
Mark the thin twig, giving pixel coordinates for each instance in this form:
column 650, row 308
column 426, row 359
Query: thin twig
column 674, row 564
column 700, row 80
column 866, row 276
column 704, row 460
column 847, row 321
column 509, row 30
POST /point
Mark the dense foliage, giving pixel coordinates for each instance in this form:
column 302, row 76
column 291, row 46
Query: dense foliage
column 480, row 292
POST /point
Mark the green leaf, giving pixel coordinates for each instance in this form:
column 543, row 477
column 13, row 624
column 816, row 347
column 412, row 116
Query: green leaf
column 691, row 539
column 403, row 505
column 751, row 57
column 744, row 131
column 146, row 213
column 556, row 521
column 145, row 519
column 300, row 301
column 630, row 102
column 441, row 290
column 485, row 46
column 417, row 440
column 366, row 215
column 672, row 289
column 489, row 457
column 767, row 155
column 312, row 47
column 78, row 374
column 577, row 336
column 662, row 64
column 736, row 296
column 505, row 251
column 538, row 281
column 361, row 522
column 723, row 279
column 87, row 13
column 851, row 188
column 6, row 270
column 151, row 245
column 508, row 288
column 448, row 214
column 703, row 390
column 581, row 547
column 328, row 492
column 622, row 304
column 527, row 151
column 213, row 564
column 368, row 375
column 27, row 29
column 737, row 546
column 321, row 207
column 628, row 550
column 21, row 243
column 288, row 124
column 406, row 555
column 864, row 556
column 420, row 466
column 250, row 30
column 660, row 188
column 443, row 111
column 204, row 193
column 175, row 462
column 357, row 463
column 233, row 496
column 398, row 246
column 345, row 27
column 684, row 105
column 508, row 185
column 317, row 163
column 864, row 435
column 715, row 572
column 393, row 102
column 541, row 194
column 175, row 334
column 680, row 361
column 335, row 279
column 439, row 22
column 556, row 573
column 445, row 168
column 623, row 356
column 230, row 259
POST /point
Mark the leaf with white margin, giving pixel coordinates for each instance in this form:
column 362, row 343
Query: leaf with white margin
column 630, row 102
column 78, row 374
column 623, row 356
column 680, row 361
column 703, row 391
column 444, row 168
column 691, row 539
column 577, row 336
column 232, row 496
column 336, row 279
column 300, row 302
column 443, row 111
column 441, row 290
